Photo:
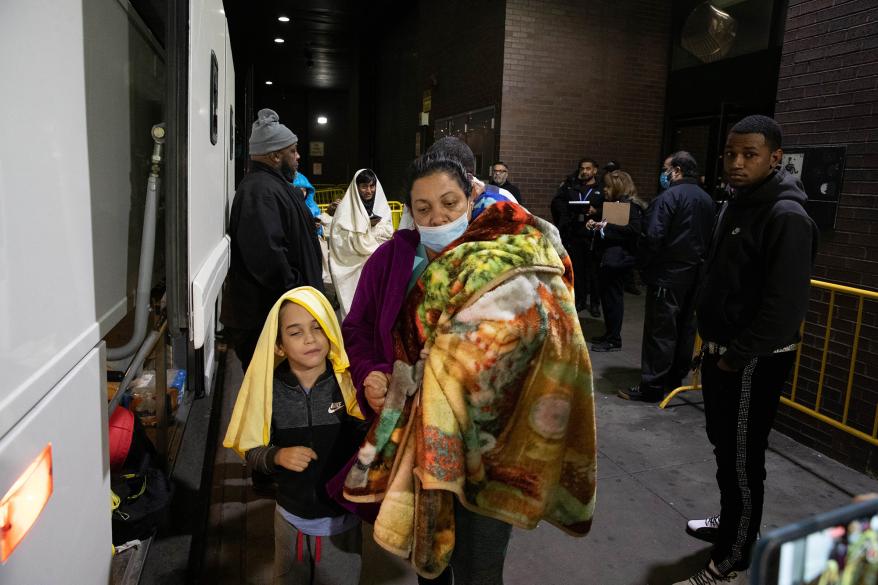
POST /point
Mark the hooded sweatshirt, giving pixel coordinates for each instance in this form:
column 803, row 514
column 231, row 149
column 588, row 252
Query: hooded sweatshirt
column 273, row 410
column 756, row 284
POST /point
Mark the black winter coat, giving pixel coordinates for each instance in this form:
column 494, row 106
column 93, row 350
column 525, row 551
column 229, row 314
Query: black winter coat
column 618, row 246
column 756, row 284
column 274, row 247
column 676, row 235
column 570, row 219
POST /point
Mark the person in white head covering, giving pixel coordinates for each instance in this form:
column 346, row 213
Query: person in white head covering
column 361, row 223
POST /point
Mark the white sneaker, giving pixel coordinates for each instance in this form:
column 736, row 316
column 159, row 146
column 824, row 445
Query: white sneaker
column 709, row 576
column 706, row 529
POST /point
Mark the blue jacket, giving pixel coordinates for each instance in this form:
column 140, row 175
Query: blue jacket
column 302, row 182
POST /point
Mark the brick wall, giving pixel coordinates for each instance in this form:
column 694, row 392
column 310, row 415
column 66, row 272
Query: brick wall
column 582, row 79
column 461, row 49
column 828, row 95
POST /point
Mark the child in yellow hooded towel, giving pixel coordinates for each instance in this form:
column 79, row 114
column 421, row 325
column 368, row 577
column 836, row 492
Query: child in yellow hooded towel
column 296, row 418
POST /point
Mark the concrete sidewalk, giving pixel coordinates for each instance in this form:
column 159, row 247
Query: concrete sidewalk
column 655, row 470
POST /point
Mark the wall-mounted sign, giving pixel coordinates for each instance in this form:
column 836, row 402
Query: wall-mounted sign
column 821, row 170
column 315, row 148
column 317, row 169
column 427, row 102
column 792, row 163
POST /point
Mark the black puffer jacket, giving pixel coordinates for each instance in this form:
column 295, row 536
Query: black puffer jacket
column 676, row 235
column 756, row 282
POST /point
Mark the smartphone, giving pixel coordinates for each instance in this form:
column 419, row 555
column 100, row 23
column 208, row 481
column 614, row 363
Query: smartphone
column 839, row 547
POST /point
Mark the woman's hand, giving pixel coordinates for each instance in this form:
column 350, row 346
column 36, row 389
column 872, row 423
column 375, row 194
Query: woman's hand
column 589, row 225
column 375, row 389
column 425, row 353
column 294, row 458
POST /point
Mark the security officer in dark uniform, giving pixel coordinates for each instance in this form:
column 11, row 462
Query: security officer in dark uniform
column 573, row 204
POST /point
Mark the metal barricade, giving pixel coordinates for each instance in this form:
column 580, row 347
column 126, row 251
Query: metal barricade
column 395, row 213
column 328, row 195
column 838, row 413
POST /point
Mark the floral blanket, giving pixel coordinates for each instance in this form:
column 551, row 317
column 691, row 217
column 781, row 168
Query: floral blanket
column 500, row 414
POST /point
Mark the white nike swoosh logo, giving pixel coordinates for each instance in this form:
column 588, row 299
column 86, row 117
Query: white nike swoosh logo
column 335, row 407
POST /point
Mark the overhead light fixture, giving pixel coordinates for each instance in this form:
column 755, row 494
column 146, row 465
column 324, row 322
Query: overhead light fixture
column 283, row 18
column 279, row 40
column 322, row 120
column 709, row 33
column 269, row 83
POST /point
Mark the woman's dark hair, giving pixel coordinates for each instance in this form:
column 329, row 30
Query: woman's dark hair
column 761, row 125
column 366, row 177
column 431, row 164
column 686, row 163
column 454, row 148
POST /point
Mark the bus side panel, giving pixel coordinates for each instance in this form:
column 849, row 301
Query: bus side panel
column 208, row 153
column 47, row 275
column 125, row 81
column 70, row 542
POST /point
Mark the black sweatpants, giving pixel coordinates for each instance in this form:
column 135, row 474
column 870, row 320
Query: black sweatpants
column 668, row 338
column 739, row 408
column 613, row 300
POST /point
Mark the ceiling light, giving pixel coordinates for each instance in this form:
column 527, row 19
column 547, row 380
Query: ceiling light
column 322, row 120
column 269, row 83
column 283, row 18
column 278, row 40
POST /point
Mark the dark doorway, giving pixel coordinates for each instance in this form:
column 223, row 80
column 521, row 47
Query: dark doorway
column 724, row 64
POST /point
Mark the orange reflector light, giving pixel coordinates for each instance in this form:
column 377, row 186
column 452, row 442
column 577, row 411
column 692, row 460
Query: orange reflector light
column 22, row 504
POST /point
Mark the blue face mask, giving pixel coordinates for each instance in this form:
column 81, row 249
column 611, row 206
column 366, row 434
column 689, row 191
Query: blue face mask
column 437, row 238
column 665, row 180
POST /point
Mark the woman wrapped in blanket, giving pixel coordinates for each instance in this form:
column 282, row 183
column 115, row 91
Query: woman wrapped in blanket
column 466, row 350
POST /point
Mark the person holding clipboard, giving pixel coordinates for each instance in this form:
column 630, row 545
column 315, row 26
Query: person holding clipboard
column 616, row 238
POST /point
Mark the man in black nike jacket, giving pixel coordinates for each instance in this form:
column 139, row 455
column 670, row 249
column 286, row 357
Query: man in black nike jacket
column 750, row 305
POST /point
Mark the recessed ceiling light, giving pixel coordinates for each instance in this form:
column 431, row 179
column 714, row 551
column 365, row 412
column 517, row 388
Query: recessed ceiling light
column 283, row 18
column 278, row 40
column 269, row 83
column 322, row 120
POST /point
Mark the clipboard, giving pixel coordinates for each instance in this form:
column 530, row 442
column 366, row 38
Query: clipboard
column 616, row 212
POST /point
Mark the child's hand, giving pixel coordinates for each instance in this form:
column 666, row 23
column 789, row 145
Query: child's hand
column 294, row 458
column 375, row 389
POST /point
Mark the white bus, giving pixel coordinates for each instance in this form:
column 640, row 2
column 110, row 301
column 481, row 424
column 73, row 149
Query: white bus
column 84, row 82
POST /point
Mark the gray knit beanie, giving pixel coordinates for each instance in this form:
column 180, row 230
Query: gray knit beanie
column 269, row 135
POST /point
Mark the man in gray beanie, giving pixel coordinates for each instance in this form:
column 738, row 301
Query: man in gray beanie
column 274, row 242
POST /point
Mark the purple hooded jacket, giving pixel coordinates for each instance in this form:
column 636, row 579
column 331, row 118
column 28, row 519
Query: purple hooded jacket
column 368, row 327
